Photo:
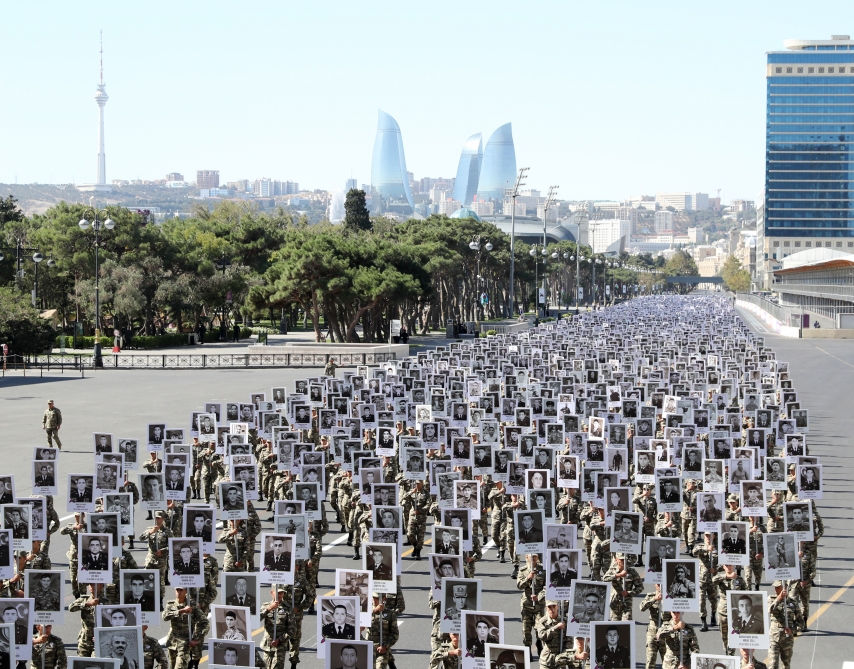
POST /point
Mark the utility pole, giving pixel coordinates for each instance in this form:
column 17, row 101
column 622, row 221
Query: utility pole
column 549, row 200
column 513, row 193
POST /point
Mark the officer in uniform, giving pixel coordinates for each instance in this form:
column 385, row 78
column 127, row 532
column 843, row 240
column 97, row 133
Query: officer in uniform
column 383, row 632
column 86, row 605
column 680, row 641
column 551, row 631
column 152, row 652
column 188, row 627
column 460, row 595
column 275, row 617
column 531, row 580
column 786, row 621
column 654, row 645
column 72, row 531
column 51, row 422
column 625, row 584
column 48, row 650
column 158, row 550
column 419, row 500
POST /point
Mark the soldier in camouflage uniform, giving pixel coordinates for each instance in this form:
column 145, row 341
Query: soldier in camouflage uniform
column 158, row 549
column 574, row 658
column 53, row 522
column 383, row 633
column 707, row 554
column 470, row 558
column 130, row 487
column 275, row 616
column 551, row 631
column 37, row 558
column 688, row 515
column 725, row 580
column 188, row 627
column 204, row 597
column 48, row 650
column 447, row 653
column 645, row 503
column 786, row 622
column 755, row 551
column 47, row 599
column 253, row 529
column 531, row 580
column 152, row 652
column 86, row 605
column 496, row 499
column 125, row 561
column 625, row 584
column 71, row 531
column 207, row 470
column 196, row 466
column 297, row 599
column 654, row 646
column 680, row 641
column 508, row 532
column 236, row 546
column 419, row 506
column 808, row 554
column 774, row 522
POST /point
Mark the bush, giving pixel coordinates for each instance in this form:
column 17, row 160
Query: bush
column 20, row 325
column 146, row 342
column 490, row 333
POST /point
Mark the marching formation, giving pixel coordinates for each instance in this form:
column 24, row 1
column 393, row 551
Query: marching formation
column 646, row 460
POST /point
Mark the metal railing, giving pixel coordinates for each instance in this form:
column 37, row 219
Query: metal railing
column 506, row 328
column 49, row 362
column 779, row 312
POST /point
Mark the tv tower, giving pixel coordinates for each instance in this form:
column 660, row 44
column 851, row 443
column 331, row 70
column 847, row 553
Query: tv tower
column 101, row 98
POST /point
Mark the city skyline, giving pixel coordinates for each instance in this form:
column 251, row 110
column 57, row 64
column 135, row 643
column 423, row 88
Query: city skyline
column 556, row 86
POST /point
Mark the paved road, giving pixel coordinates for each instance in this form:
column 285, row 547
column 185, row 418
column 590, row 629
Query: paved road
column 122, row 402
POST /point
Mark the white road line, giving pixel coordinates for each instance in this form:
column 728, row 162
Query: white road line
column 339, row 540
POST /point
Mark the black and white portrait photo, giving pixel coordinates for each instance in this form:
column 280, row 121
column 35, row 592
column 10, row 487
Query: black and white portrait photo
column 589, row 603
column 781, row 556
column 103, row 442
column 81, row 489
column 628, row 530
column 142, row 587
column 380, row 560
column 94, row 564
column 478, row 628
column 444, row 566
column 504, row 656
column 44, row 477
column 176, row 481
column 106, row 523
column 349, row 655
column 562, row 568
column 233, row 498
column 809, row 478
column 458, row 595
column 528, row 526
column 186, row 566
column 278, row 562
column 18, row 519
column 47, row 590
column 152, row 492
column 748, row 624
column 309, row 495
column 612, row 644
column 231, row 653
column 241, row 589
column 230, row 623
column 337, row 618
column 199, row 523
column 732, row 544
column 681, row 588
column 659, row 549
column 710, row 511
column 156, row 435
column 117, row 615
column 797, row 518
column 356, row 583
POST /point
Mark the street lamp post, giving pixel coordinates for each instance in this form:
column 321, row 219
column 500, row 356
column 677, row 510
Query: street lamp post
column 549, row 200
column 513, row 193
column 100, row 219
column 475, row 246
column 37, row 257
column 533, row 254
column 223, row 264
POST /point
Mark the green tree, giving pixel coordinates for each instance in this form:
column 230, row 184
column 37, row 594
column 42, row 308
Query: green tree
column 681, row 264
column 356, row 216
column 736, row 278
column 20, row 325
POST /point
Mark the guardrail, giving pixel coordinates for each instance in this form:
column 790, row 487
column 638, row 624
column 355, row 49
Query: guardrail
column 506, row 328
column 779, row 312
column 196, row 361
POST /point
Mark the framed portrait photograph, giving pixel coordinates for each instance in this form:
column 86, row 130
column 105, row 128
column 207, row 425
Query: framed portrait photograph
column 589, row 603
column 7, row 567
column 18, row 519
column 504, row 656
column 444, row 566
column 706, row 661
column 562, row 568
column 380, row 559
column 775, row 474
column 732, row 544
column 681, row 587
column 810, row 481
column 19, row 616
column 713, row 476
column 118, row 615
column 385, row 494
column 156, row 435
column 467, row 496
column 295, row 525
column 752, row 499
column 797, row 518
column 528, row 528
column 152, row 496
column 81, row 489
column 121, row 504
column 44, row 477
column 309, row 495
column 199, row 522
column 616, row 499
column 102, row 442
column 567, row 471
column 710, row 511
column 748, row 619
column 47, row 590
column 129, row 448
column 186, row 565
column 612, row 644
column 141, row 587
column 106, row 523
column 447, row 540
column 669, row 494
column 337, row 619
column 458, row 595
column 242, row 589
column 48, row 453
column 517, row 479
column 478, row 628
column 659, row 549
column 233, row 496
column 176, row 481
column 278, row 563
column 94, row 558
column 387, row 517
column 230, row 623
column 231, row 653
column 627, row 533
column 356, row 583
column 342, row 654
column 781, row 556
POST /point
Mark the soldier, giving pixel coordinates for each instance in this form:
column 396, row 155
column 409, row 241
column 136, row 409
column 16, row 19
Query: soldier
column 680, row 641
column 786, row 621
column 298, row 600
column 153, row 466
column 52, row 522
column 383, row 633
column 188, row 627
column 625, row 584
column 130, row 487
column 253, row 529
column 447, row 654
column 654, row 645
column 72, row 531
column 236, row 546
column 707, row 554
column 755, row 551
column 725, row 580
column 152, row 652
column 51, row 422
column 275, row 618
column 689, row 514
column 419, row 500
column 37, row 558
column 86, row 605
column 531, row 580
column 551, row 631
column 645, row 503
column 124, row 561
column 47, row 599
column 48, row 650
column 158, row 550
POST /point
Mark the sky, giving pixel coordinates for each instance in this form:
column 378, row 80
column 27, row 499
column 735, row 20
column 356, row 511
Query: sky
column 607, row 99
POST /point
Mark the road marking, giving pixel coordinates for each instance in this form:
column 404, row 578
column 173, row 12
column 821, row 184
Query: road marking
column 833, row 356
column 824, row 607
column 339, row 540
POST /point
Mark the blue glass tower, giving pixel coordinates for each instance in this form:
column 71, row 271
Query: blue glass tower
column 389, row 182
column 468, row 171
column 499, row 165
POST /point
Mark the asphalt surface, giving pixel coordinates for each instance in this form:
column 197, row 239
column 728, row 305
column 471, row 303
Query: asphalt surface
column 123, row 402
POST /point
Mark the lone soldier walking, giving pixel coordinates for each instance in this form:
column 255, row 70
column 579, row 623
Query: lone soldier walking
column 51, row 422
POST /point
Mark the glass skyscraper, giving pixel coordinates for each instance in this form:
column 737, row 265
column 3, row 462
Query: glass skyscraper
column 499, row 165
column 390, row 189
column 468, row 171
column 809, row 141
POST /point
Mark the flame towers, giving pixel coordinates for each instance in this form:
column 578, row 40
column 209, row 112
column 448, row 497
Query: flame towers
column 499, row 165
column 468, row 171
column 389, row 181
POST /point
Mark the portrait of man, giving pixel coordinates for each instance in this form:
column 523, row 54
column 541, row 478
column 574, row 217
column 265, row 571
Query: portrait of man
column 81, row 490
column 199, row 524
column 747, row 616
column 378, row 561
column 45, row 588
column 588, row 602
column 16, row 518
column 449, row 541
column 625, row 528
column 530, row 532
column 186, row 558
column 152, row 488
column 732, row 539
column 341, row 624
column 679, row 580
column 155, row 433
column 669, row 492
column 277, row 556
column 563, row 569
column 240, row 594
column 103, row 443
column 233, row 500
column 710, row 511
column 94, row 555
column 139, row 589
column 44, row 475
column 613, row 646
column 349, row 655
column 480, row 629
column 175, row 478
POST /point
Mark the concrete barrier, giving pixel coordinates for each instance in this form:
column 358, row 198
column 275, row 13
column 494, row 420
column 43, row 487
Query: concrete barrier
column 400, row 351
column 769, row 320
column 827, row 333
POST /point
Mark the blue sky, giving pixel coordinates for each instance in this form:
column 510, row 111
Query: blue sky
column 607, row 99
